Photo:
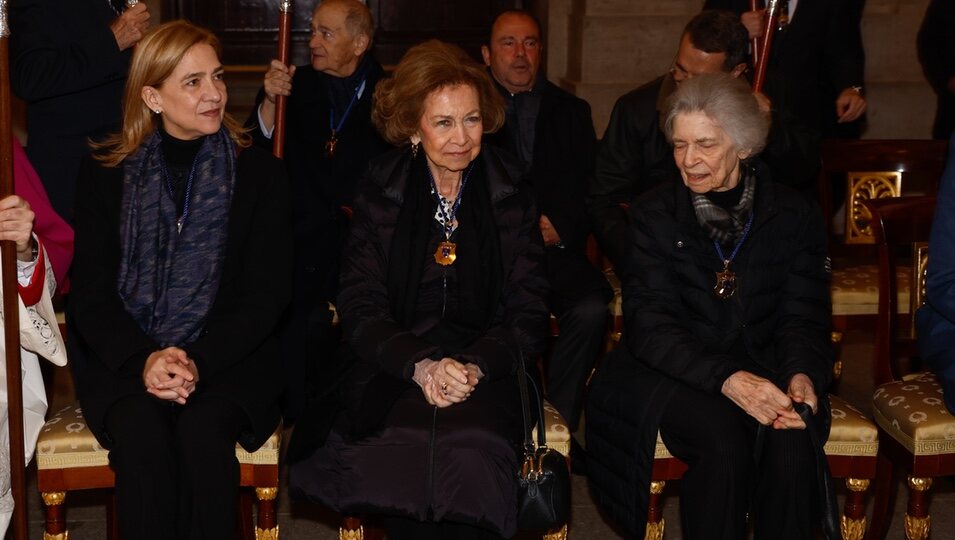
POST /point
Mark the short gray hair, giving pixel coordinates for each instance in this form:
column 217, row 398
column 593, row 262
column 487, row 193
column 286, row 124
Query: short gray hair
column 729, row 102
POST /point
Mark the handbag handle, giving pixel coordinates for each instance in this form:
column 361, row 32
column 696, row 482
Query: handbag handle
column 522, row 383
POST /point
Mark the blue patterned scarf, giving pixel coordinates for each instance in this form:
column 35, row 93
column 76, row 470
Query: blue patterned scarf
column 168, row 281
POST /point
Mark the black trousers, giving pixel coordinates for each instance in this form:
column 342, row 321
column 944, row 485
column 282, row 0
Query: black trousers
column 176, row 470
column 579, row 298
column 717, row 440
column 582, row 330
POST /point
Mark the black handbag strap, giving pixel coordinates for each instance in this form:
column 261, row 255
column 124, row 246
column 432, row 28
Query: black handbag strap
column 827, row 494
column 523, row 381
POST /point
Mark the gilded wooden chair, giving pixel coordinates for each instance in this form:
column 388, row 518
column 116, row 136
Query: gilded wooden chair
column 870, row 170
column 69, row 458
column 917, row 432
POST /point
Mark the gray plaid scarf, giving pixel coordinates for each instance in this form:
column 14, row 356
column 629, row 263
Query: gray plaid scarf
column 726, row 226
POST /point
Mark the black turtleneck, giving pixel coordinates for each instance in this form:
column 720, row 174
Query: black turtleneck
column 179, row 156
column 521, row 120
column 729, row 198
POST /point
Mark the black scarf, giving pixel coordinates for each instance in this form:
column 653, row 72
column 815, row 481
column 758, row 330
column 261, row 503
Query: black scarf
column 168, row 281
column 726, row 225
column 478, row 264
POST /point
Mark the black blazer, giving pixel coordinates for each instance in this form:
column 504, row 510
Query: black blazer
column 322, row 185
column 65, row 63
column 236, row 355
column 818, row 56
column 564, row 148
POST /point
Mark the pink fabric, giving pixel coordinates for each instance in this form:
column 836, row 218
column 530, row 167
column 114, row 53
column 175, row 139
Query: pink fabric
column 55, row 233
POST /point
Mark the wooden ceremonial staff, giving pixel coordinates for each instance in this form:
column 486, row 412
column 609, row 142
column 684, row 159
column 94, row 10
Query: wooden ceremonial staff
column 762, row 63
column 11, row 303
column 753, row 6
column 285, row 38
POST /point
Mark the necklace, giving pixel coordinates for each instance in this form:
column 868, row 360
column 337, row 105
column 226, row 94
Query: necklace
column 726, row 280
column 332, row 141
column 172, row 195
column 446, row 253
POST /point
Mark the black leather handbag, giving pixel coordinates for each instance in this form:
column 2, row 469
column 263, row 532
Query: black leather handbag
column 543, row 495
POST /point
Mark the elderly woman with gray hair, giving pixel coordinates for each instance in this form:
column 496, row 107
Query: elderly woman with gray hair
column 727, row 319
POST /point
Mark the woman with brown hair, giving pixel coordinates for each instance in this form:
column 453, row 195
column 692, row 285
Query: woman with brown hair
column 181, row 272
column 442, row 291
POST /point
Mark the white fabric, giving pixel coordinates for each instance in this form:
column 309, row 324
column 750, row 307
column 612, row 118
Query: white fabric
column 39, row 334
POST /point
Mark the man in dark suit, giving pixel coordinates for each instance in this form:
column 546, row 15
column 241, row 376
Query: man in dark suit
column 552, row 132
column 817, row 63
column 68, row 61
column 936, row 43
column 329, row 140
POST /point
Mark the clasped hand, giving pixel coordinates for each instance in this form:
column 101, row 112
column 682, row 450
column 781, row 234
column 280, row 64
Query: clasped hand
column 446, row 381
column 16, row 224
column 170, row 375
column 762, row 400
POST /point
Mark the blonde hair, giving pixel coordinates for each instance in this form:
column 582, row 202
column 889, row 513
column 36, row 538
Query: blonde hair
column 425, row 68
column 154, row 60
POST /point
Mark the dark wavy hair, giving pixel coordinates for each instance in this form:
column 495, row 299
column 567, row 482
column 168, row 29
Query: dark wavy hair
column 430, row 66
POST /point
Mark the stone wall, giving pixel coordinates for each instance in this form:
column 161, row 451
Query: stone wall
column 600, row 49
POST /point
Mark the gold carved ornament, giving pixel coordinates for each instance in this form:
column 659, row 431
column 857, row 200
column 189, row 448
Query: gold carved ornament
column 867, row 186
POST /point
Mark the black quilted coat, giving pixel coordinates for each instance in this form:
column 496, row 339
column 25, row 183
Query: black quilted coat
column 677, row 329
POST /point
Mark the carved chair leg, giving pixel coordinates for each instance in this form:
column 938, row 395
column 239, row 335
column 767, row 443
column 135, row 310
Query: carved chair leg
column 245, row 526
column 351, row 529
column 55, row 528
column 853, row 517
column 112, row 523
column 559, row 533
column 267, row 527
column 884, row 494
column 655, row 521
column 918, row 522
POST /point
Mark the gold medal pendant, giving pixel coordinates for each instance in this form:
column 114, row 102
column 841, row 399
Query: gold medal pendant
column 445, row 254
column 330, row 146
column 725, row 282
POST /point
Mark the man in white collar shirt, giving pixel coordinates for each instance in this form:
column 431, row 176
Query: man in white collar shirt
column 817, row 61
column 329, row 140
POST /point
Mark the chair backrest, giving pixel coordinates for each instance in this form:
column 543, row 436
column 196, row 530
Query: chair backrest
column 902, row 221
column 918, row 163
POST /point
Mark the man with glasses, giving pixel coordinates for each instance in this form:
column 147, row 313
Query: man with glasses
column 634, row 155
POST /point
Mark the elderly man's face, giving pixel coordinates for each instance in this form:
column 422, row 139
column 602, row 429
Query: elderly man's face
column 706, row 156
column 335, row 50
column 514, row 53
column 690, row 62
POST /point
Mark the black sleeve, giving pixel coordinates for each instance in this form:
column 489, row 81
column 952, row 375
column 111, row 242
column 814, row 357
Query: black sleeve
column 96, row 310
column 844, row 56
column 656, row 332
column 525, row 310
column 936, row 44
column 616, row 168
column 804, row 315
column 247, row 312
column 42, row 66
column 563, row 195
